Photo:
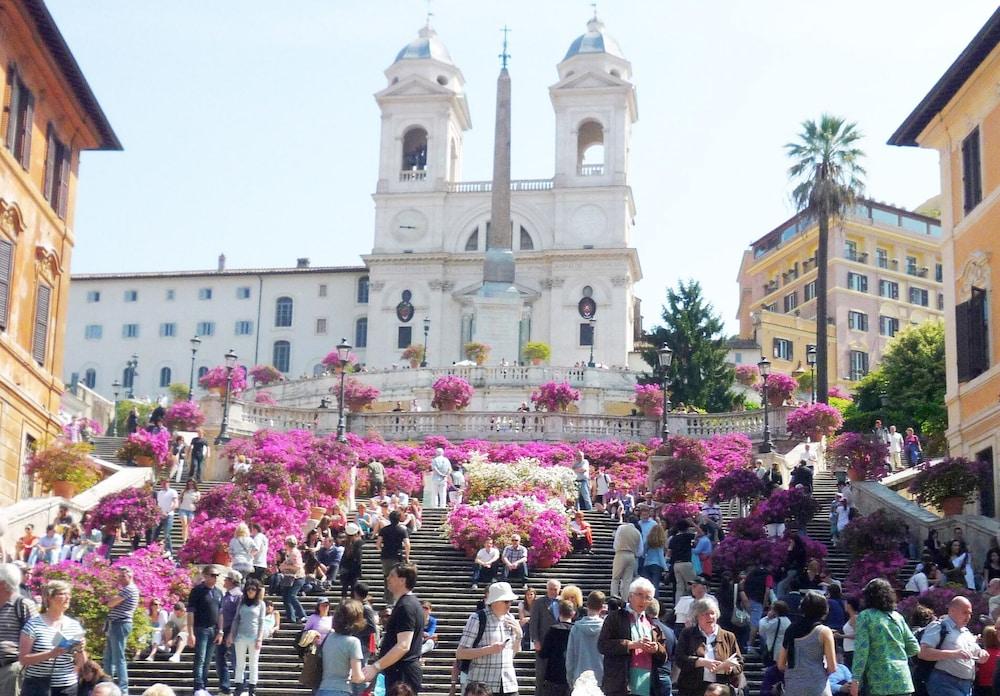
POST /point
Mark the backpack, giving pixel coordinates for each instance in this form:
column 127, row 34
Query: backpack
column 463, row 665
column 922, row 668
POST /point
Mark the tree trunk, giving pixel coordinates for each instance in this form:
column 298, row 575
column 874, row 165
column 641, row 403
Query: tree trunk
column 822, row 271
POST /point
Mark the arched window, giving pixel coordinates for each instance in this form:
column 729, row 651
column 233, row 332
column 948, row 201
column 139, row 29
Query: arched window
column 414, row 149
column 128, row 378
column 282, row 355
column 526, row 243
column 202, row 371
column 164, row 376
column 90, row 378
column 318, row 370
column 361, row 333
column 283, row 311
column 472, row 243
column 363, row 284
column 590, row 149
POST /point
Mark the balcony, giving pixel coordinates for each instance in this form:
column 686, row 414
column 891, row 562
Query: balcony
column 487, row 186
column 590, row 170
column 856, row 257
column 809, row 264
column 413, row 175
column 789, row 277
column 920, row 272
column 770, row 286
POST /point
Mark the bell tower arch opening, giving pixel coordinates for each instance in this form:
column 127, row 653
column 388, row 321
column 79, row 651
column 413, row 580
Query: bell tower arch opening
column 414, row 149
column 590, row 148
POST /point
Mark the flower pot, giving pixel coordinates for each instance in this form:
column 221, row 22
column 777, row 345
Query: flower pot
column 775, row 400
column 536, row 361
column 316, row 513
column 854, row 475
column 414, row 363
column 143, row 460
column 63, row 489
column 446, row 406
column 543, row 563
column 953, row 505
column 651, row 412
column 221, row 555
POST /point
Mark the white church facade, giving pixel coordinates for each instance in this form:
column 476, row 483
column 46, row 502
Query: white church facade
column 571, row 239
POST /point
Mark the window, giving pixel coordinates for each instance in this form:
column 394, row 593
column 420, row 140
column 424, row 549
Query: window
column 205, row 328
column 791, row 301
column 888, row 326
column 586, row 334
column 202, row 371
column 857, row 321
column 133, row 295
column 170, row 295
column 404, row 337
column 243, row 292
column 93, row 332
column 918, row 296
column 881, row 258
column 773, row 307
column 90, row 377
column 319, row 370
column 321, row 325
column 414, row 150
column 322, row 289
column 972, row 336
column 6, row 271
column 858, row 282
column 859, row 364
column 168, row 330
column 783, row 348
column 809, row 291
column 911, row 265
column 851, row 250
column 128, row 378
column 40, row 337
column 244, row 328
column 888, row 289
column 363, row 290
column 283, row 311
column 57, row 165
column 93, row 296
column 939, row 273
column 472, row 243
column 972, row 171
column 526, row 243
column 361, row 333
column 205, row 293
column 281, row 355
column 164, row 376
column 130, row 331
column 20, row 114
column 940, row 301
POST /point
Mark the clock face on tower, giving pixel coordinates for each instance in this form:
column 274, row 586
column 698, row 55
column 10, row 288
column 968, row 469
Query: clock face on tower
column 409, row 225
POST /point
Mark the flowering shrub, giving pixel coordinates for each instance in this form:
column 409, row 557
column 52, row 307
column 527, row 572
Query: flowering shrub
column 184, row 415
column 938, row 598
column 780, row 388
column 143, row 443
column 357, row 395
column 264, row 375
column 332, row 361
column 216, row 379
column 477, row 352
column 746, row 528
column 814, row 421
column 877, row 534
column 486, row 479
column 684, row 476
column 781, row 505
column 953, row 477
column 741, row 483
column 838, row 392
column 554, row 397
column 543, row 526
column 672, row 513
column 747, row 374
column 735, row 554
column 451, row 392
column 401, row 480
column 64, row 462
column 873, row 565
column 414, row 353
column 864, row 456
column 205, row 539
column 727, row 453
column 82, row 423
column 135, row 508
column 265, row 398
column 649, row 399
column 157, row 577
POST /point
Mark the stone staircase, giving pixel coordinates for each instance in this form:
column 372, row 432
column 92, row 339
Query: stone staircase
column 106, row 448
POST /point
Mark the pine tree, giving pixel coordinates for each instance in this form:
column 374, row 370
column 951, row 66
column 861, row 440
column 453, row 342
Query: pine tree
column 699, row 373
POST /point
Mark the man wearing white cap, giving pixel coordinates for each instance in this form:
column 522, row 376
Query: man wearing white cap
column 489, row 640
column 440, row 471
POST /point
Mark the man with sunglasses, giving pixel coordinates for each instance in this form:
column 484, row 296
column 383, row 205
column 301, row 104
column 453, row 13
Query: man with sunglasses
column 203, row 605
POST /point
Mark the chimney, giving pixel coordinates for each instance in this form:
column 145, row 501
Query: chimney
column 302, row 262
column 222, row 262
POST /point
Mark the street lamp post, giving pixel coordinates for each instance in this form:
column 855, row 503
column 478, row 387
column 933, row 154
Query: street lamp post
column 343, row 353
column 223, row 436
column 765, row 369
column 131, row 364
column 427, row 330
column 665, row 357
column 116, row 387
column 593, row 335
column 195, row 342
column 811, row 360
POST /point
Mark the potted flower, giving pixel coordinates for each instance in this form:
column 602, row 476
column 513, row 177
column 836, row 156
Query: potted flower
column 949, row 484
column 554, row 397
column 683, row 472
column 863, row 457
column 184, row 415
column 814, row 421
column 265, row 398
column 479, row 352
column 215, row 380
column 741, row 483
column 747, row 374
column 537, row 352
column 264, row 375
column 64, row 468
column 451, row 393
column 414, row 353
column 135, row 508
column 146, row 448
column 649, row 400
column 357, row 395
column 780, row 388
column 783, row 505
column 672, row 513
column 332, row 362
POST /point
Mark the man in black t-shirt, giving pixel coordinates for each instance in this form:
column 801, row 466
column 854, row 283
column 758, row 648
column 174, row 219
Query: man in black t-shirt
column 679, row 552
column 756, row 588
column 399, row 654
column 203, row 605
column 393, row 544
column 199, row 450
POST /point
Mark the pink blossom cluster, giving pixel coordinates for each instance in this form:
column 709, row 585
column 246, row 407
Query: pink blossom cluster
column 265, row 398
column 451, row 391
column 780, row 387
column 553, row 396
column 814, row 421
column 866, row 456
column 544, row 529
column 672, row 513
column 357, row 395
column 873, row 565
column 838, row 392
column 143, row 443
column 741, row 483
column 184, row 415
column 264, row 375
column 649, row 398
column 216, row 379
column 136, row 508
column 747, row 374
column 735, row 554
column 333, row 362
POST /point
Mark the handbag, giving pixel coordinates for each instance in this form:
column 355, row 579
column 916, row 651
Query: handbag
column 740, row 616
column 285, row 581
column 312, row 669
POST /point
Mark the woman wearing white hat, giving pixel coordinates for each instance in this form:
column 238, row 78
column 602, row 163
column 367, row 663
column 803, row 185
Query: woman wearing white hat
column 350, row 562
column 491, row 649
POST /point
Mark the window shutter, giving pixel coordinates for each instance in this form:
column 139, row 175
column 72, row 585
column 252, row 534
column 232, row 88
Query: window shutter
column 29, row 112
column 978, row 345
column 50, row 164
column 6, row 266
column 63, row 193
column 962, row 341
column 10, row 107
column 40, row 338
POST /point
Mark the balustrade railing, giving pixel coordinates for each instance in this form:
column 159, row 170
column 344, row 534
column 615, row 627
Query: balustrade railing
column 413, row 175
column 590, row 170
column 487, row 186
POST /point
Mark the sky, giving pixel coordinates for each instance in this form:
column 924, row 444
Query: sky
column 250, row 129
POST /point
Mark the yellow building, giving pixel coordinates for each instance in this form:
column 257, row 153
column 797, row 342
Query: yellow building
column 50, row 115
column 960, row 118
column 885, row 274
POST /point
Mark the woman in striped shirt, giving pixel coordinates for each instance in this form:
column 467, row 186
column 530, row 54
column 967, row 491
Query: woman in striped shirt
column 49, row 669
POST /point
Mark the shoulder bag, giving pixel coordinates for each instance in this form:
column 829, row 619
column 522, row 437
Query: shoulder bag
column 740, row 616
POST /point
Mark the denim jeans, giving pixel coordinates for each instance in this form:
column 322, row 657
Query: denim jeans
column 166, row 527
column 653, row 573
column 40, row 687
column 291, row 599
column 941, row 683
column 204, row 641
column 225, row 656
column 196, row 462
column 114, row 654
column 583, row 495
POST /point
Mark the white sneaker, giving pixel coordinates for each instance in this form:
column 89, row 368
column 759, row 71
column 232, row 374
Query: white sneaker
column 174, row 658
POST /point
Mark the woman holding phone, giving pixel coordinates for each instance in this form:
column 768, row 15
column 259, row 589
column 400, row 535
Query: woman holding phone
column 51, row 648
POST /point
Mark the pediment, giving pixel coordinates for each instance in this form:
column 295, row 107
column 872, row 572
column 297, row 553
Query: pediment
column 590, row 80
column 414, row 86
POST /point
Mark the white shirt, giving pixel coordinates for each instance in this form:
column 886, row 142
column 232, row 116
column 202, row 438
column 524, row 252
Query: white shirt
column 917, row 583
column 167, row 500
column 710, row 639
column 682, row 612
column 895, row 442
column 441, row 467
column 603, row 483
column 260, row 558
column 487, row 556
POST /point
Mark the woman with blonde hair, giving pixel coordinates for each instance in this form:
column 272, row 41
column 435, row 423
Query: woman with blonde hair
column 573, row 595
column 189, row 500
column 242, row 550
column 292, row 579
column 48, row 667
column 655, row 561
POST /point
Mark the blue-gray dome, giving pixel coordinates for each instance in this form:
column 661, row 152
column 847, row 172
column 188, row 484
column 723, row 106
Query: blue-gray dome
column 426, row 45
column 596, row 40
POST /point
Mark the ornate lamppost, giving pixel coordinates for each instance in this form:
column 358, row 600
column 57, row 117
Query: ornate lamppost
column 223, row 436
column 195, row 342
column 130, row 365
column 811, row 360
column 116, row 387
column 343, row 354
column 427, row 330
column 765, row 370
column 593, row 335
column 665, row 357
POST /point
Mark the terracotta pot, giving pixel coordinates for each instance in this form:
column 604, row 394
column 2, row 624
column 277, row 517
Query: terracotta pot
column 447, row 406
column 414, row 363
column 775, row 400
column 854, row 475
column 952, row 506
column 221, row 556
column 536, row 361
column 543, row 564
column 63, row 489
column 143, row 460
column 218, row 391
column 650, row 412
column 316, row 513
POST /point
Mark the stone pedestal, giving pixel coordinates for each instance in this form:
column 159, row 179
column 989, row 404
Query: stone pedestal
column 498, row 324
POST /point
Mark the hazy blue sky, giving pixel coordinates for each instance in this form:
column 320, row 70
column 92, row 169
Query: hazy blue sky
column 249, row 127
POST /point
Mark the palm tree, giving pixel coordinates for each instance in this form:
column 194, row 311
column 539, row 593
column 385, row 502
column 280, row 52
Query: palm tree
column 827, row 176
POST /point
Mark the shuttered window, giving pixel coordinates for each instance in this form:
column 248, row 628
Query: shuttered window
column 971, row 336
column 6, row 268
column 57, row 166
column 19, row 110
column 40, row 338
column 972, row 172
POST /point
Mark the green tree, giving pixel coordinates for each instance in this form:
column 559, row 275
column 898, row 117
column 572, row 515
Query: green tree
column 699, row 373
column 911, row 377
column 178, row 391
column 827, row 176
